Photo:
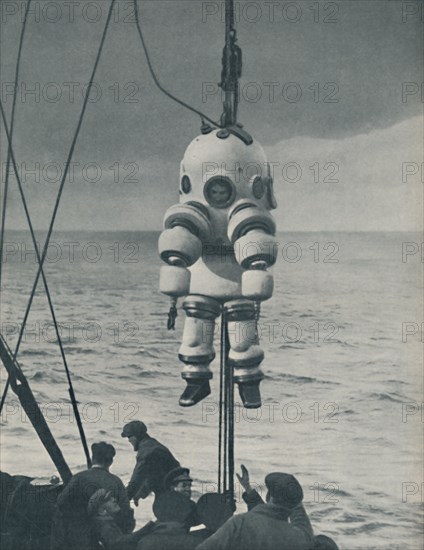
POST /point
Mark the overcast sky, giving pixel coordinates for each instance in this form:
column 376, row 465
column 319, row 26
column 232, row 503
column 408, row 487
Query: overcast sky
column 323, row 89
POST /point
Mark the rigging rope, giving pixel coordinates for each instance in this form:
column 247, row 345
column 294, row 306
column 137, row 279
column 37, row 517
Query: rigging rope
column 3, row 397
column 65, row 174
column 62, row 183
column 158, row 84
column 12, row 125
column 6, row 181
column 49, row 299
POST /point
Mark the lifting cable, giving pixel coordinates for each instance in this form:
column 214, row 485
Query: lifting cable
column 225, row 405
column 226, row 417
column 221, row 406
column 62, row 183
column 230, row 406
column 231, row 67
column 158, row 84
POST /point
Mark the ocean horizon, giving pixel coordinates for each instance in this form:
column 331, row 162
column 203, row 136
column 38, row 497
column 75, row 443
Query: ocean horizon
column 343, row 380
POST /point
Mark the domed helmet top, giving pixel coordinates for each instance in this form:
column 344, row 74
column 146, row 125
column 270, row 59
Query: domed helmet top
column 218, row 172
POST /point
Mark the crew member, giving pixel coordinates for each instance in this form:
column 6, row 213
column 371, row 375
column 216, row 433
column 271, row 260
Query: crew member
column 253, row 498
column 103, row 509
column 172, row 510
column 73, row 501
column 213, row 510
column 153, row 462
column 280, row 523
column 179, row 481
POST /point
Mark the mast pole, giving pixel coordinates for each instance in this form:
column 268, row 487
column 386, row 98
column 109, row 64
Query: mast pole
column 20, row 386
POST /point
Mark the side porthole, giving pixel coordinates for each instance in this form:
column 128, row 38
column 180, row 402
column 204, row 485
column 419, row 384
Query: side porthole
column 257, row 186
column 185, row 184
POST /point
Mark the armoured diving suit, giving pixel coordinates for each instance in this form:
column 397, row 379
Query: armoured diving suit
column 218, row 243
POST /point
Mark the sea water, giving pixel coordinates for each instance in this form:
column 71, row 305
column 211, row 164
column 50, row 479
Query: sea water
column 343, row 388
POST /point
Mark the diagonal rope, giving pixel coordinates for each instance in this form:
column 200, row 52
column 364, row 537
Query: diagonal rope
column 12, row 125
column 65, row 174
column 62, row 183
column 46, row 287
column 6, row 182
column 158, row 84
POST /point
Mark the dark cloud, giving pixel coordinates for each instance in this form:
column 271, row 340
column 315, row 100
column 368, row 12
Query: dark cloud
column 336, row 68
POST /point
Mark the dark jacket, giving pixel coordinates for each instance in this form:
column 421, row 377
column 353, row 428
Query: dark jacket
column 154, row 461
column 193, row 519
column 169, row 536
column 266, row 527
column 106, row 530
column 73, row 501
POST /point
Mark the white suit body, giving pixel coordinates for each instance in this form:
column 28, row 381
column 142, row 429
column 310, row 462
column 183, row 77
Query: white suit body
column 218, row 243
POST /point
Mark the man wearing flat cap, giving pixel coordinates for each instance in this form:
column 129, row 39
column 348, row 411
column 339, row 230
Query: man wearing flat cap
column 252, row 498
column 153, row 462
column 280, row 523
column 72, row 502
